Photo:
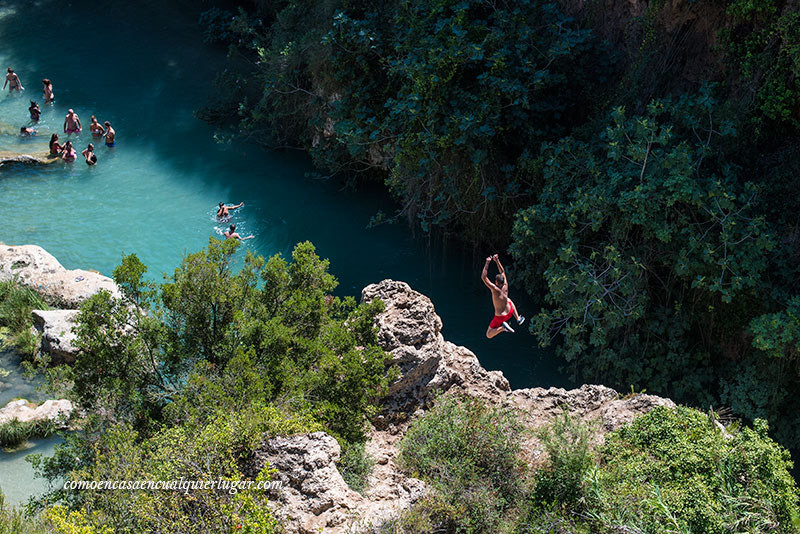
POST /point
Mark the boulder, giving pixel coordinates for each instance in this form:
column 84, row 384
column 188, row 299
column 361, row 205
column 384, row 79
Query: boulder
column 54, row 327
column 24, row 411
column 35, row 158
column 314, row 497
column 34, row 267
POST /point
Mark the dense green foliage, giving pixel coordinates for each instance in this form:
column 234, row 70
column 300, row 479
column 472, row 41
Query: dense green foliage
column 645, row 156
column 448, row 99
column 16, row 303
column 184, row 380
column 671, row 470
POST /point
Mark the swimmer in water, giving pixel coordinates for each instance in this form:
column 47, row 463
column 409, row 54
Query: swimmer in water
column 96, row 129
column 230, row 233
column 222, row 210
column 72, row 124
column 111, row 135
column 12, row 80
column 34, row 111
column 55, row 147
column 68, row 153
column 47, row 91
column 27, row 132
column 88, row 153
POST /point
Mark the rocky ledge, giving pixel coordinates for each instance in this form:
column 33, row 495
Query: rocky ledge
column 34, row 267
column 25, row 412
column 16, row 158
column 315, row 498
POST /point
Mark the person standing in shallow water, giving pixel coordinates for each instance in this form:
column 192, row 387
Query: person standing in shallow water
column 88, row 153
column 34, row 111
column 47, row 91
column 68, row 154
column 95, row 128
column 230, row 233
column 72, row 123
column 504, row 308
column 55, row 147
column 12, row 80
column 111, row 135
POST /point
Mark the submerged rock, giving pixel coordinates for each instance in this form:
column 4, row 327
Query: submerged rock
column 54, row 327
column 34, row 267
column 34, row 158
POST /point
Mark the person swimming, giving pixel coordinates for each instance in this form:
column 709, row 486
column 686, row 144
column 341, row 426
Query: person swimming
column 111, row 135
column 68, row 154
column 55, row 147
column 96, row 129
column 72, row 123
column 47, row 91
column 88, row 153
column 34, row 111
column 230, row 233
column 12, row 80
column 27, row 132
column 222, row 210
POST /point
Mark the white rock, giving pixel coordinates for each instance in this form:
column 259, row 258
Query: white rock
column 57, row 337
column 34, row 267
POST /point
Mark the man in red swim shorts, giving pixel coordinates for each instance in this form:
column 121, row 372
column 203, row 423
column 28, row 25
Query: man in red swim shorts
column 504, row 309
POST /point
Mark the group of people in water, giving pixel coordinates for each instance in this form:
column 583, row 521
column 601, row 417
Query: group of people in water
column 72, row 124
column 223, row 215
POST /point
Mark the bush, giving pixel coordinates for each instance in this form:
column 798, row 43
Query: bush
column 15, row 521
column 15, row 431
column 470, row 452
column 674, row 470
column 355, row 466
column 16, row 304
column 561, row 483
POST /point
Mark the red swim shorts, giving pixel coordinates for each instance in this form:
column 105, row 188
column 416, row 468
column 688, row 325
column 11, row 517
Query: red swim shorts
column 500, row 319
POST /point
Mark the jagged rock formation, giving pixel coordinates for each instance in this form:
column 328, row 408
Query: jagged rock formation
column 24, row 411
column 34, row 267
column 54, row 329
column 314, row 499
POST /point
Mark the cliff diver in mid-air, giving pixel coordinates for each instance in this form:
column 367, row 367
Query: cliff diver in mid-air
column 504, row 308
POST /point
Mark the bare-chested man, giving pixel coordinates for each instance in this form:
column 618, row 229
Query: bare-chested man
column 111, row 135
column 72, row 124
column 230, row 233
column 12, row 80
column 222, row 210
column 504, row 308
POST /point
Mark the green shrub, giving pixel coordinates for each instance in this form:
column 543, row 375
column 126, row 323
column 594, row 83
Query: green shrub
column 562, row 481
column 15, row 431
column 470, row 452
column 674, row 470
column 15, row 521
column 16, row 303
column 355, row 466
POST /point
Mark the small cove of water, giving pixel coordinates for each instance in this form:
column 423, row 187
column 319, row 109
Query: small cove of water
column 144, row 67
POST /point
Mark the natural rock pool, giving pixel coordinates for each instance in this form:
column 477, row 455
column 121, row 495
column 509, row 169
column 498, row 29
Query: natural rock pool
column 144, row 67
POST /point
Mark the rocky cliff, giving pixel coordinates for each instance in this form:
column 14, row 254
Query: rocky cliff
column 315, row 498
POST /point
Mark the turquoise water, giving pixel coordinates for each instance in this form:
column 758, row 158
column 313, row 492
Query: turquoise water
column 144, row 67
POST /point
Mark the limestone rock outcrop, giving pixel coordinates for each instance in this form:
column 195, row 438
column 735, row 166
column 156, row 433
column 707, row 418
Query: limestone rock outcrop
column 54, row 328
column 36, row 268
column 24, row 411
column 316, row 499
